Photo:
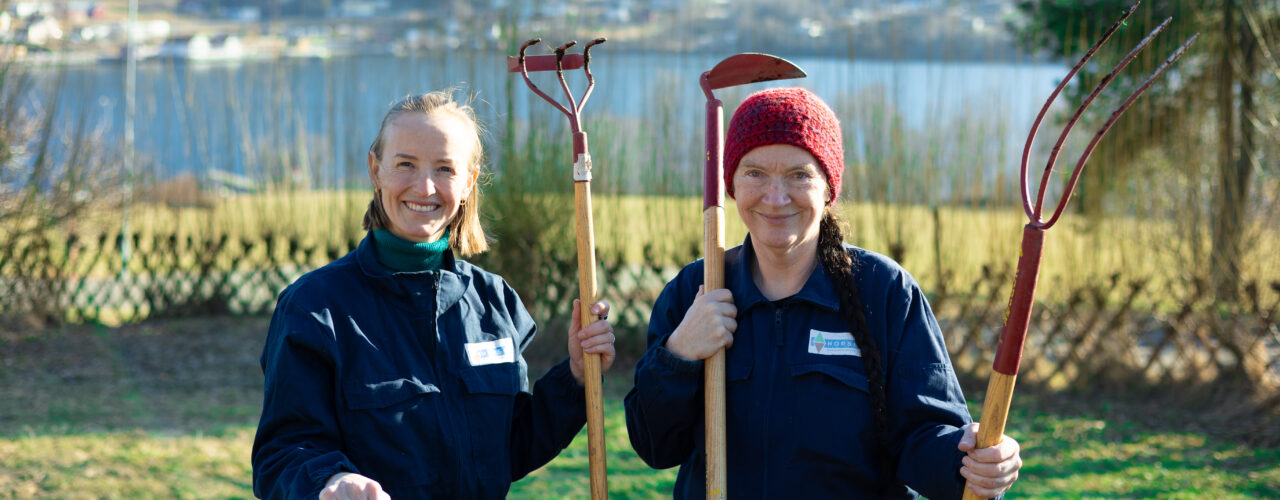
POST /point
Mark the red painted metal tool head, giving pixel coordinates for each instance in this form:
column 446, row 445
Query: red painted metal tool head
column 559, row 61
column 741, row 69
column 1033, row 210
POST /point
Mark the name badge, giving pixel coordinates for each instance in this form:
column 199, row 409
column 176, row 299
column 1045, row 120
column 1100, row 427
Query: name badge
column 833, row 343
column 488, row 353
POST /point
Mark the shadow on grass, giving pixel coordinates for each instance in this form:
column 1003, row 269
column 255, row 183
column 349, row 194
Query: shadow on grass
column 169, row 376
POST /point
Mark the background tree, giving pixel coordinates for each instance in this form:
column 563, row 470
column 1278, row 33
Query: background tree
column 1226, row 83
column 53, row 171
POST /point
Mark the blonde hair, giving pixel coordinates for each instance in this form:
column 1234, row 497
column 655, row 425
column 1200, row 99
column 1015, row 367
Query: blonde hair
column 466, row 235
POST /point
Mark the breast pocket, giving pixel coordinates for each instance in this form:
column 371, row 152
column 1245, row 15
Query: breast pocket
column 737, row 372
column 837, row 391
column 490, row 401
column 835, row 404
column 738, row 390
column 741, row 402
column 392, row 430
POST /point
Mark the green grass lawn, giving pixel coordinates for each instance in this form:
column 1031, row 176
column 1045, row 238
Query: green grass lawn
column 1081, row 457
column 166, row 409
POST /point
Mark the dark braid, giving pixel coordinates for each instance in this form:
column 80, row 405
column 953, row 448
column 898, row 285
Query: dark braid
column 840, row 264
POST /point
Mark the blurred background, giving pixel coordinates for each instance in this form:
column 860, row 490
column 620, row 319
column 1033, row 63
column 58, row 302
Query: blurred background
column 167, row 167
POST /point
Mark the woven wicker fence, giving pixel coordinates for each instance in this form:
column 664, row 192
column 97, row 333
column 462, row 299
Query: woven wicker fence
column 1104, row 336
column 1101, row 337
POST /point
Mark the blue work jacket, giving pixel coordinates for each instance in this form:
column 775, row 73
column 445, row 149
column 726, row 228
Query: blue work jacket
column 415, row 380
column 799, row 415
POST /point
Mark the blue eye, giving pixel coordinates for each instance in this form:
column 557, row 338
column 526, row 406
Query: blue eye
column 804, row 174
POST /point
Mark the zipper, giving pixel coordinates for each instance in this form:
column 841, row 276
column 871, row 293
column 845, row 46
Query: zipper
column 451, row 402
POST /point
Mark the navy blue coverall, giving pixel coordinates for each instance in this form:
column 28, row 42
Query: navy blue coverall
column 799, row 415
column 413, row 379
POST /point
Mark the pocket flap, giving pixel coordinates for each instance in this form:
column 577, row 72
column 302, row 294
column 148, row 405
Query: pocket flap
column 846, row 375
column 363, row 396
column 503, row 378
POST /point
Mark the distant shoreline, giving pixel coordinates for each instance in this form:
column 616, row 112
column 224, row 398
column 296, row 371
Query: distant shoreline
column 44, row 59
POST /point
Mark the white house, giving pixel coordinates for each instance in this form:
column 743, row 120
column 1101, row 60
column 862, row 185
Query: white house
column 24, row 10
column 42, row 30
column 143, row 30
column 204, row 48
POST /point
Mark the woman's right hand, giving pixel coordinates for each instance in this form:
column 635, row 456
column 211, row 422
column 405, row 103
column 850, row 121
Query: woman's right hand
column 349, row 486
column 707, row 326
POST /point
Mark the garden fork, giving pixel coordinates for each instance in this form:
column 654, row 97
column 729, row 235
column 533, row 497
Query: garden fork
column 559, row 62
column 995, row 409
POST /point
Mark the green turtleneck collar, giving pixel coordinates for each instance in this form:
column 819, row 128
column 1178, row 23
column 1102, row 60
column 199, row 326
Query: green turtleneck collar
column 406, row 256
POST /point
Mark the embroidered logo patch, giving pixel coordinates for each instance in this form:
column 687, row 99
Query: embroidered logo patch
column 833, row 343
column 488, row 353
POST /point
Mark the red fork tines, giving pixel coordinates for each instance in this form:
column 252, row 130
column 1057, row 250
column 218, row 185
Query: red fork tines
column 1034, row 211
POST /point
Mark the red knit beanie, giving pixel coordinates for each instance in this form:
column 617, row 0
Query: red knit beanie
column 789, row 115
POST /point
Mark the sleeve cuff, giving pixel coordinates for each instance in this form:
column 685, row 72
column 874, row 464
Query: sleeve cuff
column 670, row 361
column 321, row 468
column 561, row 378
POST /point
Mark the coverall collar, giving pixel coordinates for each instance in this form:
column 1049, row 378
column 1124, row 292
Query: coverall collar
column 451, row 283
column 818, row 289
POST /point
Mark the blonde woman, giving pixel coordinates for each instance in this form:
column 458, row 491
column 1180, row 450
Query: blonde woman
column 396, row 371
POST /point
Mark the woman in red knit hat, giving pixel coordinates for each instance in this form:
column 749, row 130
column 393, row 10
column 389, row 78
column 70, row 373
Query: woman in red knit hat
column 838, row 380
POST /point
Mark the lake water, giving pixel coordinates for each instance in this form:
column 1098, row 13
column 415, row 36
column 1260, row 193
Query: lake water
column 238, row 117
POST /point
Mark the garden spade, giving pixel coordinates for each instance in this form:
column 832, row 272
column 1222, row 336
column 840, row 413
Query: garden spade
column 560, row 61
column 739, row 69
column 995, row 408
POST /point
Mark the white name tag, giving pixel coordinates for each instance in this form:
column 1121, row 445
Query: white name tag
column 488, row 353
column 833, row 343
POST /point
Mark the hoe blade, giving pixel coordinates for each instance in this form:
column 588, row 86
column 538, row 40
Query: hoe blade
column 742, row 69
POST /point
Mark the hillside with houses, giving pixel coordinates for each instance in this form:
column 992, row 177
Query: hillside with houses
column 82, row 31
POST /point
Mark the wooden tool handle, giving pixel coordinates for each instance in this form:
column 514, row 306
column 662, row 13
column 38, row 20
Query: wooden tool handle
column 591, row 369
column 995, row 413
column 713, row 368
column 713, row 420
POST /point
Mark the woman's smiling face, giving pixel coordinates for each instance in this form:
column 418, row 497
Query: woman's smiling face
column 781, row 192
column 424, row 173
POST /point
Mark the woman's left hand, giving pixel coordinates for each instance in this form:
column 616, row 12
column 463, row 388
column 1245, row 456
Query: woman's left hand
column 596, row 338
column 990, row 471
